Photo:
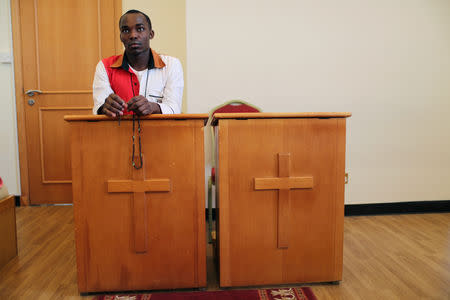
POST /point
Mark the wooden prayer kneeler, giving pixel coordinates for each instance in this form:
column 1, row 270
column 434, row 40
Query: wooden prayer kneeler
column 280, row 197
column 139, row 229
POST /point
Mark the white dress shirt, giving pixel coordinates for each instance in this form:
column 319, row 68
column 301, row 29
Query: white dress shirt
column 166, row 82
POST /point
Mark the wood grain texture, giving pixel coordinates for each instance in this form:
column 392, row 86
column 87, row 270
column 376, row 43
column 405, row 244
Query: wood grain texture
column 47, row 36
column 152, row 185
column 219, row 116
column 256, row 249
column 8, row 240
column 20, row 105
column 199, row 229
column 68, row 92
column 74, row 118
column 139, row 187
column 283, row 224
column 283, row 183
column 284, row 201
column 54, row 155
column 139, row 207
column 340, row 194
column 117, row 14
column 223, row 215
column 385, row 257
column 113, row 221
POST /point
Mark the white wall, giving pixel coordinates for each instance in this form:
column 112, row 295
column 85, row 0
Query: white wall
column 9, row 163
column 386, row 61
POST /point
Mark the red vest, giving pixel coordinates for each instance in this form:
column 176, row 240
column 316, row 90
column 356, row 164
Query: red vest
column 123, row 81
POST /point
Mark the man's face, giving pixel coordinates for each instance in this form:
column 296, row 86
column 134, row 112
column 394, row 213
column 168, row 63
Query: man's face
column 135, row 33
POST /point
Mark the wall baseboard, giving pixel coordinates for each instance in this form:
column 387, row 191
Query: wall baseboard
column 416, row 207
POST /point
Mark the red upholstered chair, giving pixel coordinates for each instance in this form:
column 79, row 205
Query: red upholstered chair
column 3, row 190
column 233, row 106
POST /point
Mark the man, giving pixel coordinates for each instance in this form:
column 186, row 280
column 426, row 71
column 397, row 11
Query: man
column 140, row 81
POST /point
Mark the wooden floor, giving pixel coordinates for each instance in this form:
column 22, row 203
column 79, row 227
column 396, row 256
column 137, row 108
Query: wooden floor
column 385, row 257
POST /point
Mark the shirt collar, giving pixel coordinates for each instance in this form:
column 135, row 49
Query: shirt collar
column 155, row 61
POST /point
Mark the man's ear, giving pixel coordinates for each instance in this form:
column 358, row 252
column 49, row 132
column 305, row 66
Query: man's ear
column 152, row 34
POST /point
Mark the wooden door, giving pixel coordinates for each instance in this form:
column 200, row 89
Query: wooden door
column 60, row 43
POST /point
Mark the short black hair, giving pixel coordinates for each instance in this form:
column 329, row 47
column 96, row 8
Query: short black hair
column 135, row 11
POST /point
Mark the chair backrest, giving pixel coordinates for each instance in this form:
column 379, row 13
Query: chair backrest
column 232, row 106
column 235, row 106
column 3, row 189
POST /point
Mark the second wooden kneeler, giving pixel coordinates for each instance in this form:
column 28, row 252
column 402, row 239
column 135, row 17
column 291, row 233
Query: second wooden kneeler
column 280, row 190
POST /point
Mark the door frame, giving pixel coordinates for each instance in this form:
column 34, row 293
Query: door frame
column 20, row 92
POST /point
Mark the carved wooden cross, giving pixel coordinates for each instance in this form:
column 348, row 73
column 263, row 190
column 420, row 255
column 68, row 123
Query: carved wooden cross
column 284, row 183
column 139, row 186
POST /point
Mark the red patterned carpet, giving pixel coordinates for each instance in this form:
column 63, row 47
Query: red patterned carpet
column 303, row 293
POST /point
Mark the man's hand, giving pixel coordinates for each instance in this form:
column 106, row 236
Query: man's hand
column 142, row 107
column 113, row 106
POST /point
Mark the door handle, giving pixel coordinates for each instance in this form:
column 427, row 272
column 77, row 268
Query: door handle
column 31, row 93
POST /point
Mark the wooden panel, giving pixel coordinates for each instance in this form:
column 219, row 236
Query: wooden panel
column 219, row 116
column 199, row 217
column 139, row 186
column 312, row 257
column 8, row 241
column 283, row 183
column 139, row 230
column 283, row 224
column 139, row 206
column 248, row 219
column 153, row 185
column 80, row 206
column 340, row 199
column 50, row 159
column 203, row 117
column 28, row 42
column 250, row 245
column 20, row 105
column 78, row 61
column 107, row 28
column 175, row 253
column 54, row 136
column 67, row 92
column 284, row 201
column 118, row 11
column 223, row 204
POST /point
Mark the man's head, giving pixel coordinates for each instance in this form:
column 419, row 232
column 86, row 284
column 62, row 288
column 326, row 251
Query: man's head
column 135, row 31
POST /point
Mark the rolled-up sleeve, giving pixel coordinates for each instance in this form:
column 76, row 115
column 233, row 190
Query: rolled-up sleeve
column 101, row 88
column 173, row 91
